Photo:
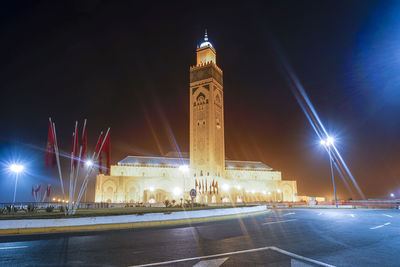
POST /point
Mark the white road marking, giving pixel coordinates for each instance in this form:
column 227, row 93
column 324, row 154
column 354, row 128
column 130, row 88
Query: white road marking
column 296, row 263
column 280, row 221
column 13, row 247
column 379, row 226
column 320, row 213
column 287, row 253
column 390, row 216
column 352, row 215
column 290, row 213
column 211, row 263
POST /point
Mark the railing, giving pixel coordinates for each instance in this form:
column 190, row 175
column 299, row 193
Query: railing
column 43, row 205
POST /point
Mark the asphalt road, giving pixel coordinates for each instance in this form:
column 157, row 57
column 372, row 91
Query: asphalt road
column 296, row 237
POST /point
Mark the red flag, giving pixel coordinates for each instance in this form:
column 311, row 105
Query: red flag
column 48, row 190
column 50, row 154
column 107, row 149
column 206, row 186
column 97, row 150
column 195, row 183
column 74, row 149
column 38, row 189
column 84, row 143
column 199, row 187
column 202, row 182
column 213, row 186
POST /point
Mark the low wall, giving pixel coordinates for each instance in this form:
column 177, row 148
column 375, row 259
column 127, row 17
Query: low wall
column 324, row 206
column 121, row 219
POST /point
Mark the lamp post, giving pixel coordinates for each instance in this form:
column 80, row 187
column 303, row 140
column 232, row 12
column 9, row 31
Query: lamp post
column 17, row 169
column 328, row 143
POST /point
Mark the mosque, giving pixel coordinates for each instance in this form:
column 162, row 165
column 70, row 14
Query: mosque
column 140, row 179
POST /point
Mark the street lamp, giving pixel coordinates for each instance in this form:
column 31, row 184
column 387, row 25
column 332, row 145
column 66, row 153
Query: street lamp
column 328, row 142
column 391, row 195
column 17, row 169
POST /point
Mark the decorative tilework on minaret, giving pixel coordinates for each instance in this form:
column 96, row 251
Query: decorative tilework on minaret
column 207, row 146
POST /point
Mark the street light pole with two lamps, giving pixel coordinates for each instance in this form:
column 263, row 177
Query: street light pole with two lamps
column 17, row 169
column 328, row 143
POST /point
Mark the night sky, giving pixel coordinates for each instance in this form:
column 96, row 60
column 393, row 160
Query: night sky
column 125, row 65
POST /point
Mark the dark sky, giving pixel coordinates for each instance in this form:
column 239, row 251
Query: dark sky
column 125, row 65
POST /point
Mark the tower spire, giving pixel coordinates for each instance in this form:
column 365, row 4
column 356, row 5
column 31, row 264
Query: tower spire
column 205, row 42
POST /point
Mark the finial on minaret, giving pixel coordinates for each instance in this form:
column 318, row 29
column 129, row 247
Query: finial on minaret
column 205, row 43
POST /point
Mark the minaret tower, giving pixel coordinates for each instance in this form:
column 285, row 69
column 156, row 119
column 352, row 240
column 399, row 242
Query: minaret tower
column 207, row 146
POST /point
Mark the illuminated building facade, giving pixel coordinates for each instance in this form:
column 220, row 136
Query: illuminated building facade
column 138, row 179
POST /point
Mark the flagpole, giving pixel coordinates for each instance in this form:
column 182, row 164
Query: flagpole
column 90, row 168
column 76, row 176
column 58, row 164
column 85, row 181
column 44, row 196
column 71, row 175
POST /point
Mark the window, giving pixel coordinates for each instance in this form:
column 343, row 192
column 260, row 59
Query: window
column 201, row 173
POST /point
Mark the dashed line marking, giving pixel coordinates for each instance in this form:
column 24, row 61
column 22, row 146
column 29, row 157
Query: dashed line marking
column 211, row 263
column 390, row 216
column 16, row 247
column 352, row 215
column 290, row 213
column 280, row 221
column 379, row 226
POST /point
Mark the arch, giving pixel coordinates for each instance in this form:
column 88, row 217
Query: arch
column 132, row 193
column 287, row 192
column 109, row 189
column 200, row 97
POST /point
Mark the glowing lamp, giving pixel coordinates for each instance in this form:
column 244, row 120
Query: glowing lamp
column 17, row 168
column 328, row 142
column 89, row 163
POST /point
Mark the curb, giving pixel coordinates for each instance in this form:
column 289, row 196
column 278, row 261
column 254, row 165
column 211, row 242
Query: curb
column 21, row 231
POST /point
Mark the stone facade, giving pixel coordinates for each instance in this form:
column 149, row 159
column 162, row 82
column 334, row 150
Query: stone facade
column 155, row 179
